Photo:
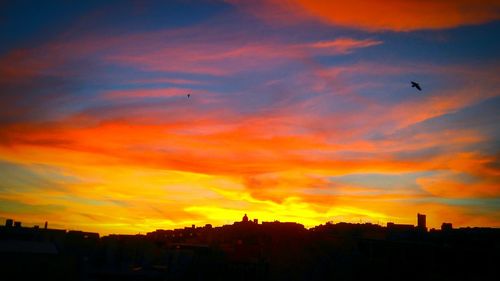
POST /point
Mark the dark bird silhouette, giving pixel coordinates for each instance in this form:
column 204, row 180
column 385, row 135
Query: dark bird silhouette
column 189, row 95
column 416, row 85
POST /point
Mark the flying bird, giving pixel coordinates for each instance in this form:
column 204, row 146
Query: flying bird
column 416, row 85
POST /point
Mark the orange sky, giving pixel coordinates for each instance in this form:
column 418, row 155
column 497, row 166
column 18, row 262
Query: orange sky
column 299, row 111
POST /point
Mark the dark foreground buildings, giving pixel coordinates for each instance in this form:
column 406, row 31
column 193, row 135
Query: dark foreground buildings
column 248, row 250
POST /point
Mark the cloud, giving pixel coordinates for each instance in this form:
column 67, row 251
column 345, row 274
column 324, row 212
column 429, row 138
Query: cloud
column 454, row 185
column 150, row 93
column 40, row 82
column 216, row 55
column 8, row 207
column 396, row 15
column 344, row 45
column 310, row 125
column 31, row 178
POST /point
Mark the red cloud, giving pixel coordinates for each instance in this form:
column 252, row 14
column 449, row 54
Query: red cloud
column 396, row 15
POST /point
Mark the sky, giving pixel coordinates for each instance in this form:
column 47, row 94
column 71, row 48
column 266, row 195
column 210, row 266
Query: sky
column 299, row 111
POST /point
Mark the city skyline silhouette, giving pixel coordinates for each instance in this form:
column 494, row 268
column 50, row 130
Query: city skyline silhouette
column 420, row 224
column 253, row 250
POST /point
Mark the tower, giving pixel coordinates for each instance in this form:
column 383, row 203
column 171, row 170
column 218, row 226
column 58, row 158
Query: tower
column 245, row 218
column 421, row 220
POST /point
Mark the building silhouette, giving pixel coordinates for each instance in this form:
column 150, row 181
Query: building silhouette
column 421, row 222
column 247, row 250
column 9, row 222
column 446, row 226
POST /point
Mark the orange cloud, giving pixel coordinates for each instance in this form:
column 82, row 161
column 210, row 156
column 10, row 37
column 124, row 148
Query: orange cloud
column 396, row 15
column 344, row 44
column 451, row 188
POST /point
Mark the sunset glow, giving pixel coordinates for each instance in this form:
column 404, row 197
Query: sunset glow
column 298, row 111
